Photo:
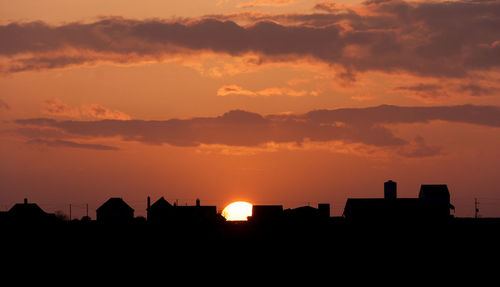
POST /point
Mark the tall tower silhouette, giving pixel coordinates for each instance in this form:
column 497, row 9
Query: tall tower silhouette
column 390, row 190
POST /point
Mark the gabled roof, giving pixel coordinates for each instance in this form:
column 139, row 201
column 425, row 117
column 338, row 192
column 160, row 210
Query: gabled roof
column 161, row 204
column 115, row 203
column 27, row 209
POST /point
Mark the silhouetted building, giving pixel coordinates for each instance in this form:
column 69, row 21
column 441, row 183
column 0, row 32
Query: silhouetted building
column 115, row 210
column 433, row 203
column 390, row 190
column 163, row 212
column 324, row 210
column 159, row 212
column 308, row 212
column 437, row 198
column 266, row 213
column 381, row 209
column 29, row 213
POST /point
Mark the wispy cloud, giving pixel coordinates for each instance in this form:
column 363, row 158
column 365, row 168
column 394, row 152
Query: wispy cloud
column 361, row 126
column 235, row 90
column 55, row 107
column 265, row 3
column 70, row 144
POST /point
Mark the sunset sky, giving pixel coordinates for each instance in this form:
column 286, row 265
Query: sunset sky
column 291, row 102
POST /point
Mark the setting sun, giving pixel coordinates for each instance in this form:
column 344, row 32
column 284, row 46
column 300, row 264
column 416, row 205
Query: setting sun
column 237, row 211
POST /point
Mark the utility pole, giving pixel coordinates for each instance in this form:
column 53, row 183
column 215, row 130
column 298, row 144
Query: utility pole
column 70, row 212
column 476, row 208
column 87, row 207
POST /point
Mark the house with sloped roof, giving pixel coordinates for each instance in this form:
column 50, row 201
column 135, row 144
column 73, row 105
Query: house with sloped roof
column 162, row 212
column 159, row 212
column 115, row 210
column 29, row 213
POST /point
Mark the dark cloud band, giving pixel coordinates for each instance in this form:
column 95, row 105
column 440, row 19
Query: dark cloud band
column 240, row 128
column 438, row 39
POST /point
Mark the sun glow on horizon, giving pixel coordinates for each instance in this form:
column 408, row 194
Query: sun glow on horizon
column 237, row 211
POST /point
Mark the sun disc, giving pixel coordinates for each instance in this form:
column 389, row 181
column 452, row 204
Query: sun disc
column 237, row 211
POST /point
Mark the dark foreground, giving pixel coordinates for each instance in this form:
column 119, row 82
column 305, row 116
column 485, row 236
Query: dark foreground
column 335, row 237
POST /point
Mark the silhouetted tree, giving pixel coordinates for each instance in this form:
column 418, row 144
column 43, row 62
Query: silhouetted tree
column 61, row 215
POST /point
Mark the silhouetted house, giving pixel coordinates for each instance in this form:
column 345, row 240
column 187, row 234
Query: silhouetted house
column 433, row 203
column 266, row 213
column 159, row 212
column 163, row 212
column 437, row 198
column 115, row 210
column 308, row 213
column 29, row 213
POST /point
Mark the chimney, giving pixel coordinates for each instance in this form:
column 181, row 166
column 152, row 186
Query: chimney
column 198, row 202
column 25, row 201
column 149, row 203
column 390, row 190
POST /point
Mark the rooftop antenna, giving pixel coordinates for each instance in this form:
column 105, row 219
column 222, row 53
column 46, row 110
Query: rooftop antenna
column 476, row 207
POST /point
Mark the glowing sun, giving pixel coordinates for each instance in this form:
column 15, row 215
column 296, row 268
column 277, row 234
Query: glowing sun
column 237, row 211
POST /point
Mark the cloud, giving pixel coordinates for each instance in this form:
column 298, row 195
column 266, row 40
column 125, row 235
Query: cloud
column 235, row 90
column 424, row 91
column 389, row 114
column 265, row 3
column 434, row 91
column 237, row 128
column 228, row 90
column 55, row 107
column 4, row 105
column 100, row 112
column 418, row 149
column 430, row 39
column 326, row 6
column 70, row 144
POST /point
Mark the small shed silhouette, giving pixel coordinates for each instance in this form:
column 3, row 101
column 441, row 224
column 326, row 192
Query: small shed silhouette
column 115, row 210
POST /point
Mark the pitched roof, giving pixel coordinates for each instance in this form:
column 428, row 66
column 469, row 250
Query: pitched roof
column 27, row 209
column 160, row 204
column 115, row 203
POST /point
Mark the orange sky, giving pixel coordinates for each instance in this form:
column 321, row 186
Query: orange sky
column 102, row 98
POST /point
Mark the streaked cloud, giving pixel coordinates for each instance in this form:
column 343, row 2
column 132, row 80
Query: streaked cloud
column 235, row 90
column 428, row 39
column 55, row 107
column 237, row 128
column 265, row 3
column 70, row 144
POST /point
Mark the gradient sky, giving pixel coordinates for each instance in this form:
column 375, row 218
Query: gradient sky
column 268, row 101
